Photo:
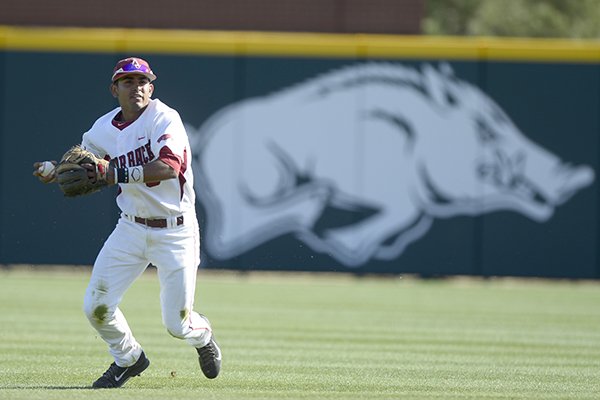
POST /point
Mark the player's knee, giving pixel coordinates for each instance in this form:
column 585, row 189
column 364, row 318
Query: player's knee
column 88, row 307
column 96, row 313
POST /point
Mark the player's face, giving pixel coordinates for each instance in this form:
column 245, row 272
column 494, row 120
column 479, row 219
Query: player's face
column 133, row 92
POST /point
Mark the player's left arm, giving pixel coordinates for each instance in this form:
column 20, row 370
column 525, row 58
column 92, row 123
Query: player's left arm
column 167, row 166
column 158, row 170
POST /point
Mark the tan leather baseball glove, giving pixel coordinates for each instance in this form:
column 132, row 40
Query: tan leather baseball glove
column 81, row 172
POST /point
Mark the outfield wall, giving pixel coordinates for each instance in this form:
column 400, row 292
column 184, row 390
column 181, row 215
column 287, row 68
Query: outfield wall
column 365, row 153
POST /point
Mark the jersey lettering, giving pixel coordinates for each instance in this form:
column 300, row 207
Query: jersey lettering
column 130, row 159
column 149, row 150
column 140, row 156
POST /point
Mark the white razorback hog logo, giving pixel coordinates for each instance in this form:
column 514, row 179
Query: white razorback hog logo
column 398, row 146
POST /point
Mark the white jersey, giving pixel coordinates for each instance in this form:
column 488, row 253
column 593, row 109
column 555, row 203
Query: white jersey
column 158, row 133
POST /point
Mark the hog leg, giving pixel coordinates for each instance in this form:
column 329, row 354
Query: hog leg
column 408, row 235
column 250, row 223
column 355, row 244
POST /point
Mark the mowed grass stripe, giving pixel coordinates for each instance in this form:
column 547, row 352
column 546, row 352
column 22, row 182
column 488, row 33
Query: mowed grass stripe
column 288, row 336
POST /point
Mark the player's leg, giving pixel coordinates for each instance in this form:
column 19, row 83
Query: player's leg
column 117, row 266
column 177, row 259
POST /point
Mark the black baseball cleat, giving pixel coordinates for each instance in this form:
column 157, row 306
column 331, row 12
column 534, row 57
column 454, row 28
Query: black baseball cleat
column 209, row 357
column 116, row 376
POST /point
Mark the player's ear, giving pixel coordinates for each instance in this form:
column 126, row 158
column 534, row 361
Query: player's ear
column 151, row 89
column 113, row 89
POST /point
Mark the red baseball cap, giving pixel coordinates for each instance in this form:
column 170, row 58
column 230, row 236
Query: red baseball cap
column 132, row 65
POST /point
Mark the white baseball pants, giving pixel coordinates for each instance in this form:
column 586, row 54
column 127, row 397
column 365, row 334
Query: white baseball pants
column 127, row 252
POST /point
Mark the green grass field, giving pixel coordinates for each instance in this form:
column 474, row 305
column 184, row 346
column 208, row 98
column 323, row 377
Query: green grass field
column 314, row 337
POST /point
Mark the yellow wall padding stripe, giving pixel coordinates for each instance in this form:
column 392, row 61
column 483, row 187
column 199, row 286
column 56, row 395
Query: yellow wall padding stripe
column 156, row 41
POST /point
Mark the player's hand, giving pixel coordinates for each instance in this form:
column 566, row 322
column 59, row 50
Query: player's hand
column 43, row 176
column 92, row 173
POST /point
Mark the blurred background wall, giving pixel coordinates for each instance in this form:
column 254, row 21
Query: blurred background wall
column 53, row 89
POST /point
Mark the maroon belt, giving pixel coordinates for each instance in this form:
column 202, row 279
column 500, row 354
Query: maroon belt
column 156, row 223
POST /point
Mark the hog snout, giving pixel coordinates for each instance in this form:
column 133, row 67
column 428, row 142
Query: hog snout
column 535, row 184
column 567, row 180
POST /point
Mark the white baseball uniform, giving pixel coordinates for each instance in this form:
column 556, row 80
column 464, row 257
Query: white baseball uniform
column 174, row 249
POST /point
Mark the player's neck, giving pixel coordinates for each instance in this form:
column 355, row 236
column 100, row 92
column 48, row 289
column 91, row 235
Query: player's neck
column 129, row 115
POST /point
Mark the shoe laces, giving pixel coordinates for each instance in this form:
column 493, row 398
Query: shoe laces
column 208, row 353
column 112, row 371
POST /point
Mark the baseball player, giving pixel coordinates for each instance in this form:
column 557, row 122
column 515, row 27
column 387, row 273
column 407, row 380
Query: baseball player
column 142, row 147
